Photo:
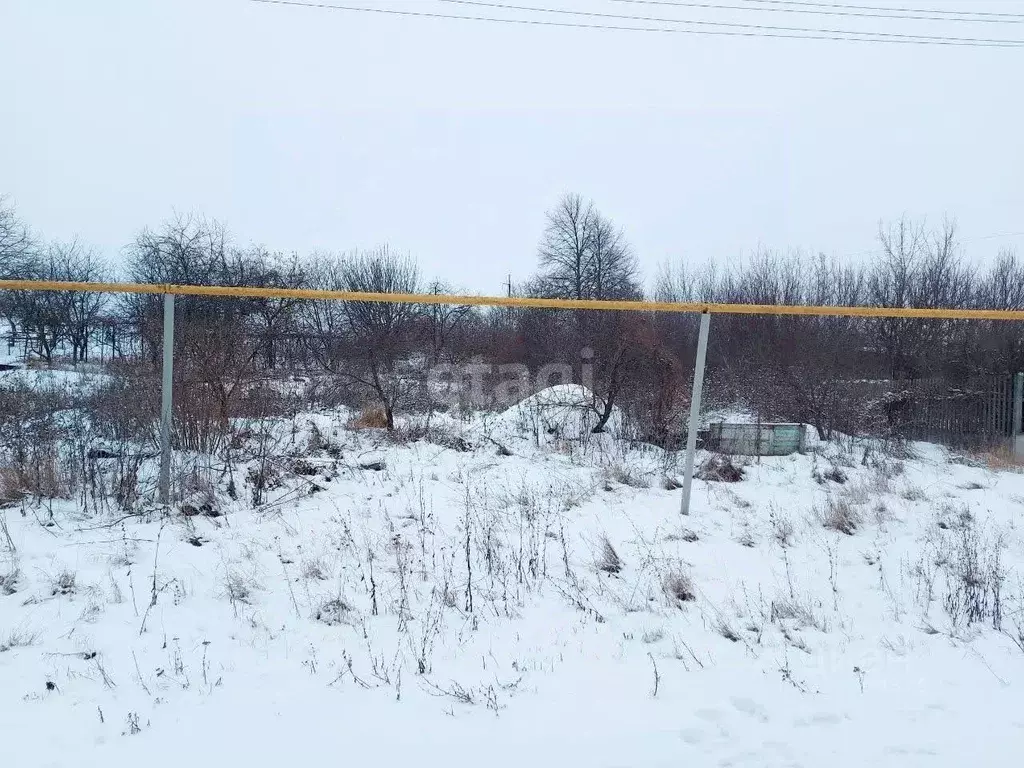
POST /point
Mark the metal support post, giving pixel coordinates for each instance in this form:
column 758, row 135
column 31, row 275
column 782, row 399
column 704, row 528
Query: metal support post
column 166, row 401
column 698, row 390
column 1017, row 432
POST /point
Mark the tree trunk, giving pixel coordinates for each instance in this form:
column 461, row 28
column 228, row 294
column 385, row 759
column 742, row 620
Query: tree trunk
column 604, row 414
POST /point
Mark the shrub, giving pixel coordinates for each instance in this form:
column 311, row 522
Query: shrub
column 912, row 492
column 239, row 587
column 314, row 569
column 653, row 636
column 608, row 559
column 803, row 615
column 841, row 516
column 370, row 417
column 679, row 587
column 833, row 474
column 10, row 487
column 683, row 534
column 333, row 611
column 726, row 630
column 9, row 582
column 782, row 530
column 974, row 575
column 44, row 478
column 626, row 475
column 17, row 638
column 64, row 583
column 720, row 469
column 1000, row 459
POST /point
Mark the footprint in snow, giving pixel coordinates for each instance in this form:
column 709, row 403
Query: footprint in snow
column 693, row 736
column 750, row 707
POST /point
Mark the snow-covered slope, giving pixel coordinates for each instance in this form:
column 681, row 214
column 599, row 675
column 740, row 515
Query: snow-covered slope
column 550, row 607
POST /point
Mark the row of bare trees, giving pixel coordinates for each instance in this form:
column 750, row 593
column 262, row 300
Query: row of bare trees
column 49, row 320
column 797, row 368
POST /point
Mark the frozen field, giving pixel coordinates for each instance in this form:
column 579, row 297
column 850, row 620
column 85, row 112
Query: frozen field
column 503, row 596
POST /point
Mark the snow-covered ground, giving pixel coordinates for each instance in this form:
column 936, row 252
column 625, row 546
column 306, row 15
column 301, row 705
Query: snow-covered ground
column 513, row 596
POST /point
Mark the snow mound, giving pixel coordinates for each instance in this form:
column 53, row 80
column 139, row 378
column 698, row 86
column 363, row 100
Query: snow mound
column 563, row 412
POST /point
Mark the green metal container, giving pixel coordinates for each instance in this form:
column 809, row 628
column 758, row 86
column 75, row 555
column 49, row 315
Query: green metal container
column 757, row 439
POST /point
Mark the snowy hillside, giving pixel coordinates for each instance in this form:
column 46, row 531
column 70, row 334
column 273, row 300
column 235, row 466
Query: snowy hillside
column 506, row 593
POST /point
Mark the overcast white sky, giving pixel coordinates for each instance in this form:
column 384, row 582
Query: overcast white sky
column 310, row 129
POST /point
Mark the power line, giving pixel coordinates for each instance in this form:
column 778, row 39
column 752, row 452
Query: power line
column 942, row 39
column 845, row 37
column 855, row 11
column 998, row 235
column 810, row 4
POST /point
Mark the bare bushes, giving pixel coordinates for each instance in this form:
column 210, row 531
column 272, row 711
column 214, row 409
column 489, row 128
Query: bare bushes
column 797, row 613
column 678, row 586
column 974, row 578
column 59, row 442
column 720, row 469
column 439, row 432
column 841, row 515
column 608, row 559
column 370, row 417
column 64, row 583
column 998, row 459
column 42, row 478
column 126, row 407
column 833, row 474
column 223, row 416
column 333, row 611
column 782, row 529
column 17, row 638
column 10, row 575
column 239, row 586
column 962, row 569
column 9, row 581
column 32, row 421
column 624, row 474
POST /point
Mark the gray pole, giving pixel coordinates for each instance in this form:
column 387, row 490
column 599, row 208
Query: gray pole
column 698, row 390
column 1016, row 443
column 166, row 394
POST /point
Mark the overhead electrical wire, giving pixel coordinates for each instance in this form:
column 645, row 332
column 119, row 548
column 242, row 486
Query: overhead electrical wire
column 946, row 12
column 843, row 36
column 854, row 11
column 728, row 24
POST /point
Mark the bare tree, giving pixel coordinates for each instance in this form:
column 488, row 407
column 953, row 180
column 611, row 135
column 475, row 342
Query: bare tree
column 997, row 346
column 612, row 271
column 893, row 283
column 323, row 324
column 384, row 333
column 271, row 319
column 584, row 256
column 186, row 250
column 16, row 242
column 42, row 315
column 368, row 343
column 443, row 321
column 17, row 248
column 565, row 250
column 74, row 262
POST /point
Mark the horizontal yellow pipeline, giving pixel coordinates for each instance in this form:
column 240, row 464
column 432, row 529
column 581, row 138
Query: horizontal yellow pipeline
column 515, row 301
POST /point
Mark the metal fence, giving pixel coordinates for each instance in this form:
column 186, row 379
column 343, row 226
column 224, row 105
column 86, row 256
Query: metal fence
column 979, row 411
